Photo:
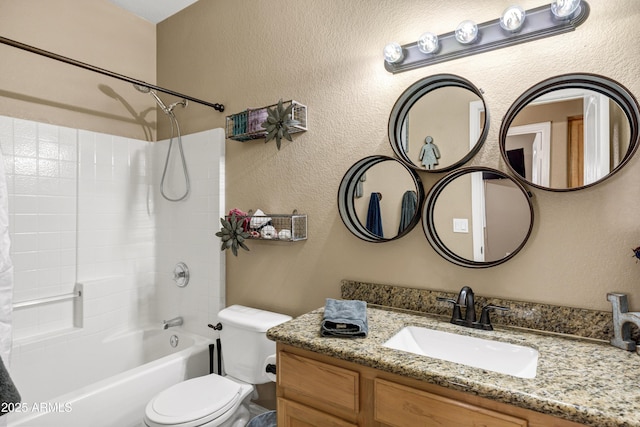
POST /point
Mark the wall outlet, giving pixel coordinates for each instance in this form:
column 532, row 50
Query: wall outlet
column 460, row 225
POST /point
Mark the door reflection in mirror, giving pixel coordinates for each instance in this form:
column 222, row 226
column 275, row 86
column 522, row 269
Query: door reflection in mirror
column 576, row 130
column 496, row 208
column 589, row 135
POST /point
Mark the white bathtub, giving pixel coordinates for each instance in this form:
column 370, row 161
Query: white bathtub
column 124, row 373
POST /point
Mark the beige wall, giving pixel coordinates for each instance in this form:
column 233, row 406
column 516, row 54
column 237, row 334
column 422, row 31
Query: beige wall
column 327, row 55
column 91, row 31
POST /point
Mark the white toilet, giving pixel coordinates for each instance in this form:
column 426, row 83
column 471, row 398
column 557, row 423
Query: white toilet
column 215, row 400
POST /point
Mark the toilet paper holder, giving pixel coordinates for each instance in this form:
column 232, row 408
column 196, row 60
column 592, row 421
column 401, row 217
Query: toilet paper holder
column 270, row 369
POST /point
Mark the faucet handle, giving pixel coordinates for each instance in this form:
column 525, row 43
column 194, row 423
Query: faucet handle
column 456, row 316
column 485, row 321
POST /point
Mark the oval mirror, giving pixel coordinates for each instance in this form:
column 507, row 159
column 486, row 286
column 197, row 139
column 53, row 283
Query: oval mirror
column 477, row 217
column 438, row 123
column 570, row 132
column 379, row 199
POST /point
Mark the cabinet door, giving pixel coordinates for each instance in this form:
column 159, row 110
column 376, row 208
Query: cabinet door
column 401, row 406
column 324, row 383
column 293, row 414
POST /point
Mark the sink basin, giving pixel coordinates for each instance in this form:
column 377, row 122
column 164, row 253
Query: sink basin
column 505, row 358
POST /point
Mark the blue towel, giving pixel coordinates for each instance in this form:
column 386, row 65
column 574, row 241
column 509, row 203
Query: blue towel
column 344, row 318
column 374, row 220
column 8, row 391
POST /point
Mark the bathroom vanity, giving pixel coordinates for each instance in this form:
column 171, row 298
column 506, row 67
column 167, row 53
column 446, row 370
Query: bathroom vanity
column 360, row 382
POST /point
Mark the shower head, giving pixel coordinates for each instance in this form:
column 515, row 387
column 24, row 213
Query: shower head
column 141, row 88
column 167, row 110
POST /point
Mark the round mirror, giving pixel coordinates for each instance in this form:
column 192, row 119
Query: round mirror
column 570, row 132
column 438, row 123
column 477, row 217
column 379, row 199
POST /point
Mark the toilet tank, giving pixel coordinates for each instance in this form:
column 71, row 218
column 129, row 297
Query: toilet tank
column 245, row 346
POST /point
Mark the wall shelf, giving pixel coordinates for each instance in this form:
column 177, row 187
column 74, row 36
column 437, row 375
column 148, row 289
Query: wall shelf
column 276, row 227
column 247, row 125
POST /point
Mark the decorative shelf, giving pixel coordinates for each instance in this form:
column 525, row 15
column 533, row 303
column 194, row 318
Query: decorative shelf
column 276, row 227
column 247, row 125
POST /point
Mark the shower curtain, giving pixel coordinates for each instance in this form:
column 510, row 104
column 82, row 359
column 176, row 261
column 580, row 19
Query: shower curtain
column 6, row 269
column 6, row 290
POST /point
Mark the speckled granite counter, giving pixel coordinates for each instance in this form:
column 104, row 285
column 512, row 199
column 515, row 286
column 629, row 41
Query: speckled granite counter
column 584, row 381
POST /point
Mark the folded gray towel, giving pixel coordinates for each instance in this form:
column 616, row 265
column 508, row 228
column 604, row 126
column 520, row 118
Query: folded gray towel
column 344, row 318
column 8, row 391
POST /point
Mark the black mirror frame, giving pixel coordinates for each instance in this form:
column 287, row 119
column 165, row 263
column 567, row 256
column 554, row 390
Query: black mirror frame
column 428, row 224
column 346, row 205
column 594, row 82
column 411, row 96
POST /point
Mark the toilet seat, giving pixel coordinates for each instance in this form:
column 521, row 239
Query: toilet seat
column 193, row 402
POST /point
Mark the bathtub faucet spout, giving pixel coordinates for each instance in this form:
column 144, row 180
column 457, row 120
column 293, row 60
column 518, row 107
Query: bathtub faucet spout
column 176, row 321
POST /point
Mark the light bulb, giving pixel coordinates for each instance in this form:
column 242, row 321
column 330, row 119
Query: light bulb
column 564, row 9
column 512, row 18
column 393, row 53
column 467, row 32
column 428, row 43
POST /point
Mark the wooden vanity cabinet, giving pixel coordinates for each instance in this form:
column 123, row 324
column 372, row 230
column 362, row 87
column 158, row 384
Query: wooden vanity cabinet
column 315, row 390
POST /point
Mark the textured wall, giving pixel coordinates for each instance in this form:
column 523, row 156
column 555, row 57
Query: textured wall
column 328, row 55
column 95, row 32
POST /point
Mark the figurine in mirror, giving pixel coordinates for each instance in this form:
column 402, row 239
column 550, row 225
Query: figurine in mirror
column 430, row 124
column 571, row 137
column 379, row 199
column 477, row 217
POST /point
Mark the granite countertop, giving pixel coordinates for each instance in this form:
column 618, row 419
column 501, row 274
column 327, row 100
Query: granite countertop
column 582, row 380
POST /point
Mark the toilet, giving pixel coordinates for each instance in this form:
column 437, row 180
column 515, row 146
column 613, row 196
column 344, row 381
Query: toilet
column 214, row 400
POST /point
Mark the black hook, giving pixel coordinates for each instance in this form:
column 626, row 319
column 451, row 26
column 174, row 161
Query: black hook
column 218, row 327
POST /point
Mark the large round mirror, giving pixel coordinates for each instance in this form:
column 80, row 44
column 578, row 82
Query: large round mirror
column 438, row 123
column 379, row 199
column 477, row 217
column 570, row 132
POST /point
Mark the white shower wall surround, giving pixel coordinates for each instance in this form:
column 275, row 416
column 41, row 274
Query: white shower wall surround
column 86, row 207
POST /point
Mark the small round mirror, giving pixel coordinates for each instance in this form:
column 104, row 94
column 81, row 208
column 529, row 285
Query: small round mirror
column 570, row 132
column 477, row 217
column 379, row 199
column 438, row 123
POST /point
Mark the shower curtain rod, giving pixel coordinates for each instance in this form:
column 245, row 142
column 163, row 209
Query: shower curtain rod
column 32, row 49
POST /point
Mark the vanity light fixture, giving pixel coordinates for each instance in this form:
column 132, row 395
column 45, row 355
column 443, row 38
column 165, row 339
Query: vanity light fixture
column 393, row 53
column 513, row 27
column 564, row 9
column 466, row 32
column 428, row 43
column 512, row 18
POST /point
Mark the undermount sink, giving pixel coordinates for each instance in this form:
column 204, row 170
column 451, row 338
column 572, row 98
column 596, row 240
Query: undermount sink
column 505, row 358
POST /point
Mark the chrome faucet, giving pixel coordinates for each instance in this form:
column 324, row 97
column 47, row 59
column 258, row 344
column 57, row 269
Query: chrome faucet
column 622, row 318
column 176, row 321
column 466, row 299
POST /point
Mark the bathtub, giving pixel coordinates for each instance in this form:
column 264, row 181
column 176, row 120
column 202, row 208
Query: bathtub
column 125, row 371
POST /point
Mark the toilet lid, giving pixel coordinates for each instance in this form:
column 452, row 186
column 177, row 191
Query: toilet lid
column 202, row 399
